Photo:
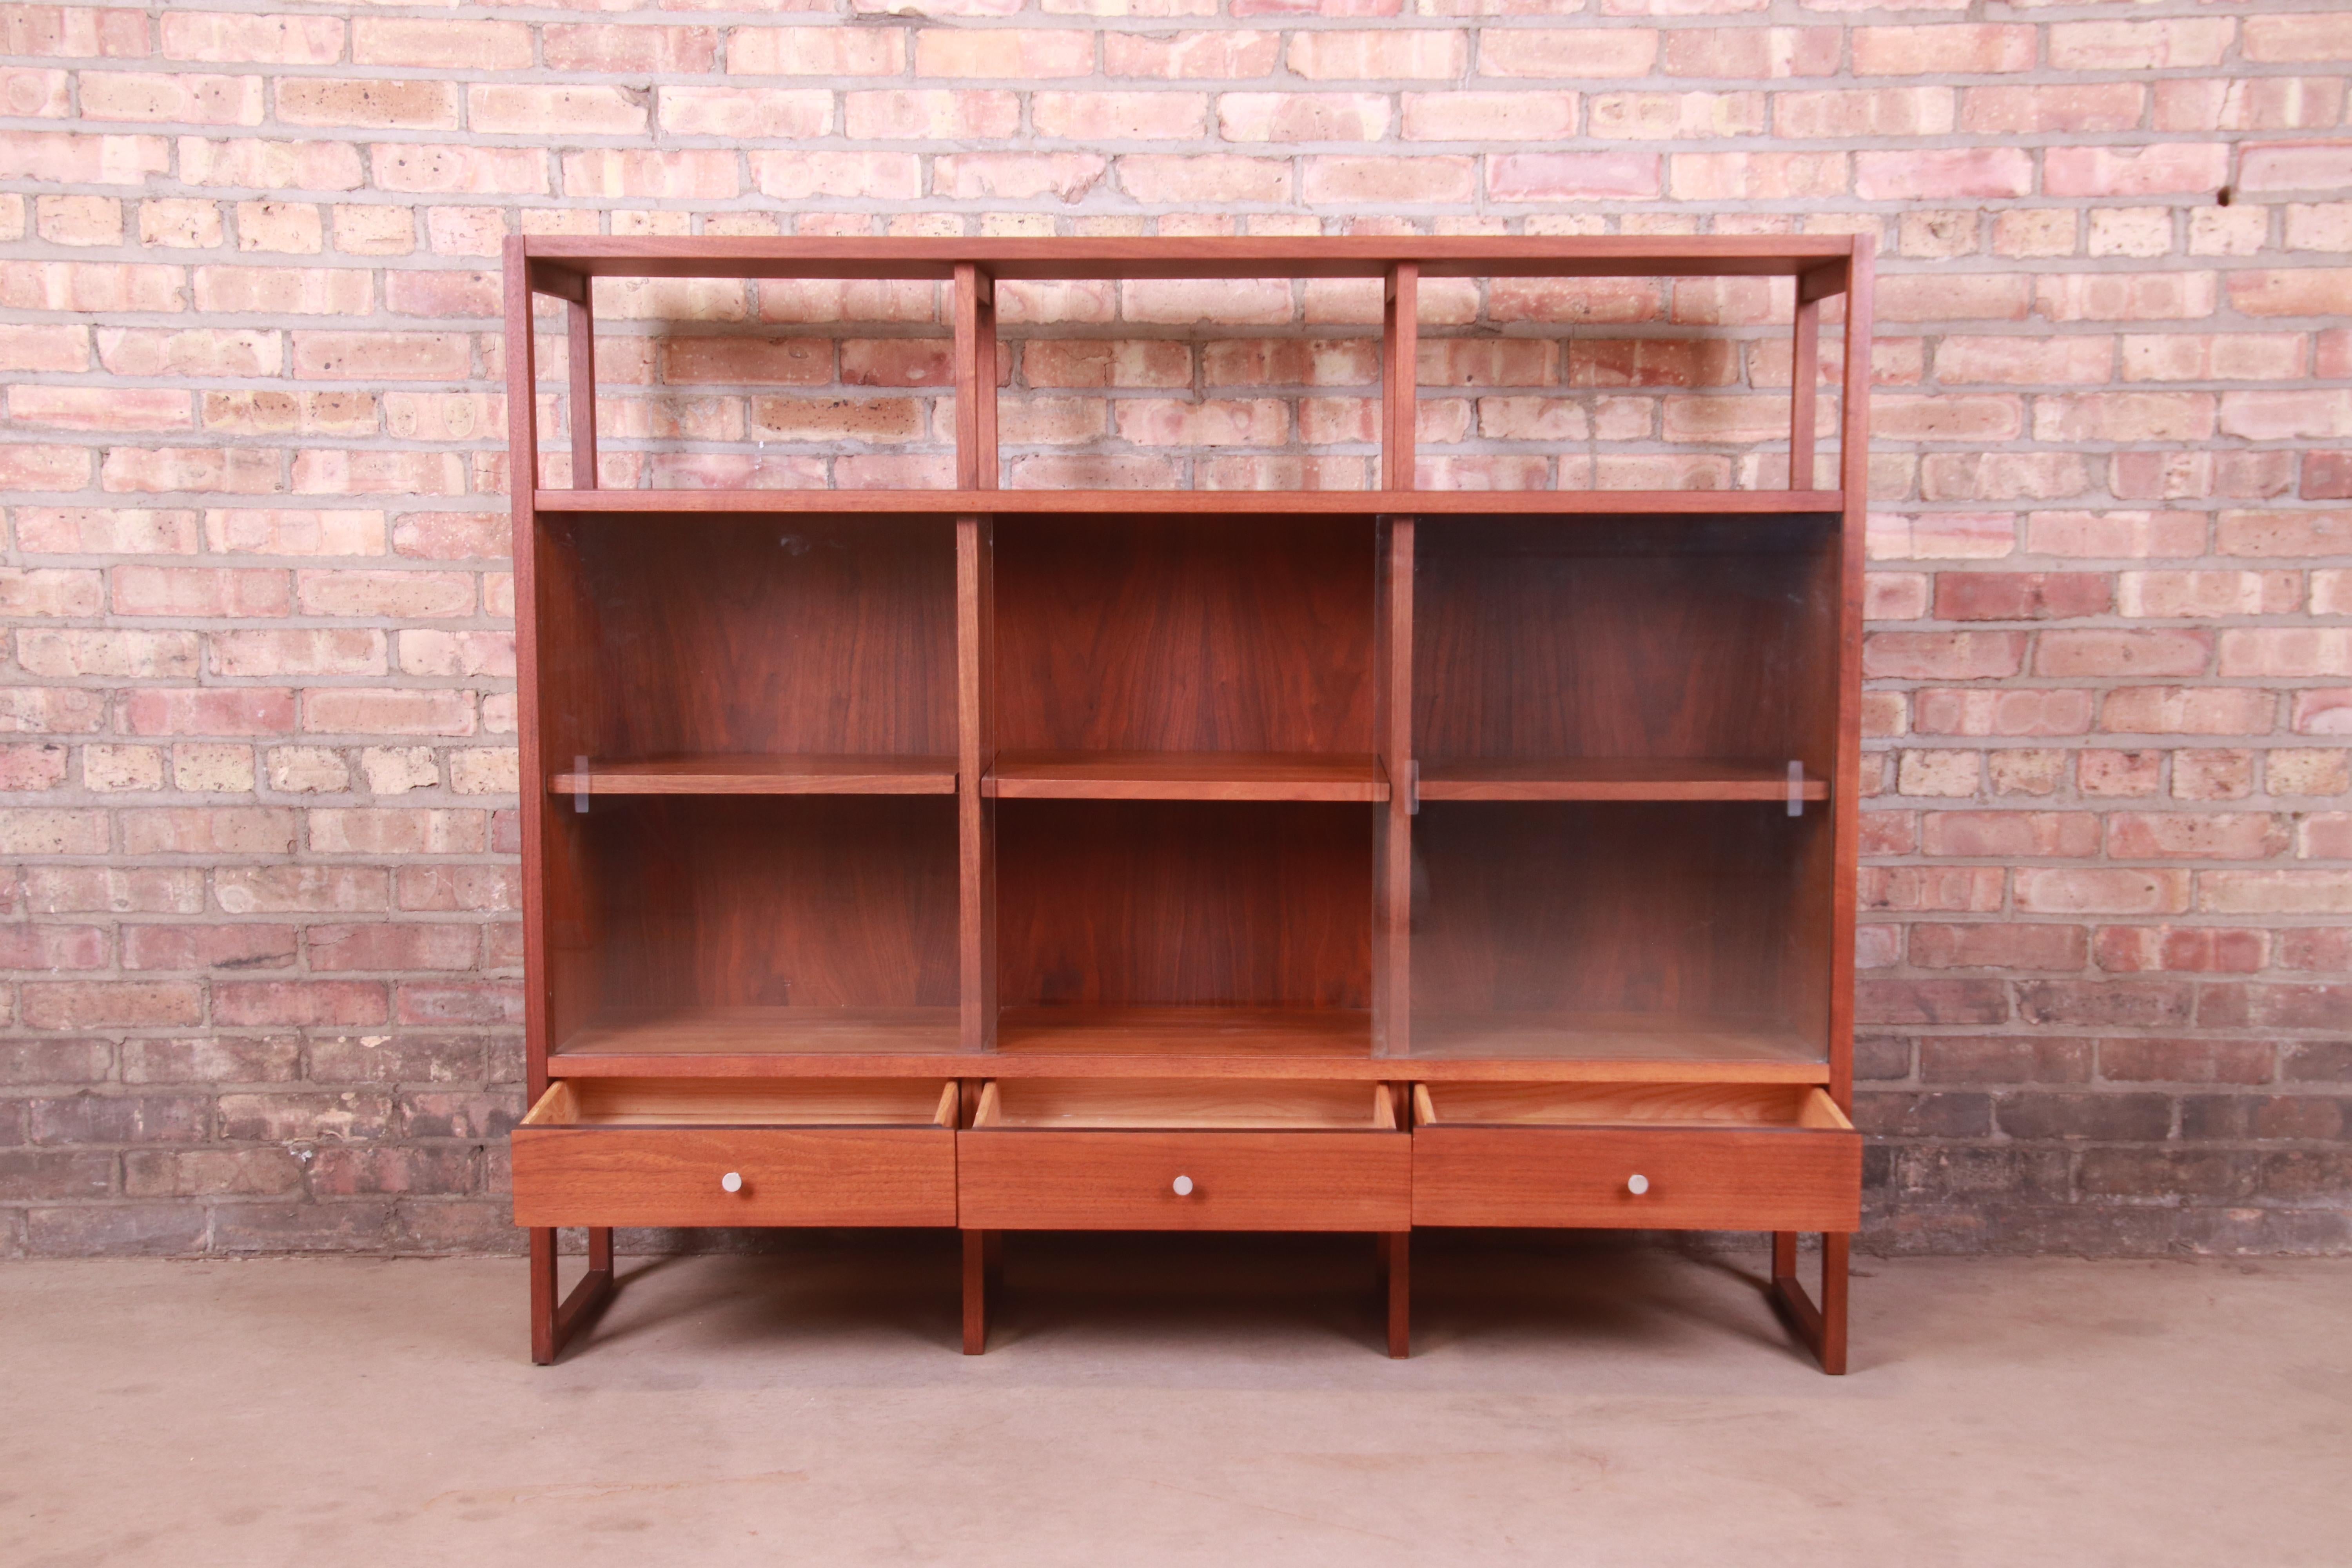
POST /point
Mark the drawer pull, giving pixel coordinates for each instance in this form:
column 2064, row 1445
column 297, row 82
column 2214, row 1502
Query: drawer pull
column 1183, row 1186
column 1637, row 1185
column 732, row 1181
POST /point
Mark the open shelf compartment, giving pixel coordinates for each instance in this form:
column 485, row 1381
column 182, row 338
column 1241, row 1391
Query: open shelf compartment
column 812, row 655
column 1691, row 662
column 1684, row 932
column 753, row 924
column 1185, row 927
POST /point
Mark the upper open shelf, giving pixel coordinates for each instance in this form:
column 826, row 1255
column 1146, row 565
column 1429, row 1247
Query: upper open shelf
column 1450, row 388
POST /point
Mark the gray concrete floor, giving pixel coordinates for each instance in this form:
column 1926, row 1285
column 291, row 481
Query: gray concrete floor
column 1176, row 1400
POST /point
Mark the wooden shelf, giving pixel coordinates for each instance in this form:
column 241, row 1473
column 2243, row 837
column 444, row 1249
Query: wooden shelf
column 1111, row 505
column 1185, row 1031
column 764, row 1031
column 1612, row 778
column 1228, row 1105
column 725, row 774
column 1617, row 1038
column 1184, row 775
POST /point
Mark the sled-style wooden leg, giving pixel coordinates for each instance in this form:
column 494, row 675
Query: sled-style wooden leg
column 554, row 1324
column 1823, row 1328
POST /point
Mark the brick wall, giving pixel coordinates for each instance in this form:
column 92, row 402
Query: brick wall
column 257, row 919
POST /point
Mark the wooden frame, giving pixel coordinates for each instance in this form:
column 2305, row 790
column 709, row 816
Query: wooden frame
column 1262, row 823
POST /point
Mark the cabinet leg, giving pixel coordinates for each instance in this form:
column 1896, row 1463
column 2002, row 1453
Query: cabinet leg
column 554, row 1324
column 975, row 1291
column 1394, row 1250
column 1821, row 1328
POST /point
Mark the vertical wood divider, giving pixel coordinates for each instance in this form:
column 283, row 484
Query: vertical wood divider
column 1393, row 828
column 975, row 754
column 522, row 484
column 580, row 320
column 974, row 316
column 1805, row 375
column 975, row 312
column 1392, row 672
column 1400, row 360
column 1853, row 466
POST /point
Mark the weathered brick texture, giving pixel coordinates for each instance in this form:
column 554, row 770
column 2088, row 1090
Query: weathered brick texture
column 259, row 953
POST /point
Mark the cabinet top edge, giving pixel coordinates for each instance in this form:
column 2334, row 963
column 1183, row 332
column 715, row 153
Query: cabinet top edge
column 1125, row 503
column 1591, row 256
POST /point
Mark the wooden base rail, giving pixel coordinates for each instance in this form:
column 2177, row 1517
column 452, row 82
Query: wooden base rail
column 1821, row 1328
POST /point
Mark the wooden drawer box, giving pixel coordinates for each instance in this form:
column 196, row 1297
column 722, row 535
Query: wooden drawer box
column 1127, row 1155
column 606, row 1151
column 1642, row 1156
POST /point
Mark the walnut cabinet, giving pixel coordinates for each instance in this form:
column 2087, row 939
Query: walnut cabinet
column 1019, row 859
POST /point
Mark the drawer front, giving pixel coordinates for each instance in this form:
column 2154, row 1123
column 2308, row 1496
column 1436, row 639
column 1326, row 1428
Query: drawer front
column 1020, row 1179
column 1697, row 1180
column 798, row 1175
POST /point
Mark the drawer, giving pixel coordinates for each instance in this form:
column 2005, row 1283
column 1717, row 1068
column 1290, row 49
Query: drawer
column 1141, row 1155
column 1667, row 1157
column 608, row 1152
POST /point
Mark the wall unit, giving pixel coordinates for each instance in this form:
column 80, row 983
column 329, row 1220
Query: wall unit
column 1189, row 859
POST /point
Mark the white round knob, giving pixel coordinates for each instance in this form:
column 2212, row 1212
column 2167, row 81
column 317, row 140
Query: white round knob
column 1637, row 1185
column 732, row 1181
column 1183, row 1186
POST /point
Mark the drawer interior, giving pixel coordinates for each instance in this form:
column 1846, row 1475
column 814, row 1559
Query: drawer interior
column 722, row 1102
column 1716, row 1105
column 1236, row 1105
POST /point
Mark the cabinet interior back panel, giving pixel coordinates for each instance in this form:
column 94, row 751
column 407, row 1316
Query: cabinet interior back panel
column 1184, row 634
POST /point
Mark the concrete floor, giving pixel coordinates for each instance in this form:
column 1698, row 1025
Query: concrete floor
column 1176, row 1400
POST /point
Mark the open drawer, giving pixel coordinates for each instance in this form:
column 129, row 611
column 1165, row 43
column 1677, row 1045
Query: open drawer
column 850, row 1152
column 1130, row 1155
column 1663, row 1156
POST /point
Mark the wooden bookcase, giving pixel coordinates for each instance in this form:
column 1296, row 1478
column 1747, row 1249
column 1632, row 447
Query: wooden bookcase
column 1189, row 859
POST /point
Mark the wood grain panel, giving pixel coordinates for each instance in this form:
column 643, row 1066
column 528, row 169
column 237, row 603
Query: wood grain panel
column 1239, row 634
column 1014, row 1180
column 1578, row 1177
column 1185, row 903
column 1186, row 776
column 805, row 902
column 628, row 1176
column 803, row 636
column 1708, row 641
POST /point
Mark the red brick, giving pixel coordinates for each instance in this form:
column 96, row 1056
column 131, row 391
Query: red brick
column 2121, row 653
column 1998, row 946
column 2069, row 108
column 1988, row 835
column 1566, row 176
column 2021, row 596
column 1943, row 656
column 1964, row 50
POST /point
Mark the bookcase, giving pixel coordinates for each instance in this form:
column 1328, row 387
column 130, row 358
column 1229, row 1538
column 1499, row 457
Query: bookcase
column 1194, row 858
